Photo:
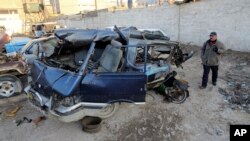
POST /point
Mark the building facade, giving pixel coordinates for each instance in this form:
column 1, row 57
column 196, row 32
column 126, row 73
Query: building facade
column 11, row 15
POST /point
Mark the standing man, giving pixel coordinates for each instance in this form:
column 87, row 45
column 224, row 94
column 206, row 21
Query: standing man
column 210, row 53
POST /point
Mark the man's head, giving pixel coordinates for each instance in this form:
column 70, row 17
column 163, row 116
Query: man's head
column 213, row 36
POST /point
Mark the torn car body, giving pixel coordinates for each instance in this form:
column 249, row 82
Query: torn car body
column 14, row 65
column 36, row 48
column 91, row 71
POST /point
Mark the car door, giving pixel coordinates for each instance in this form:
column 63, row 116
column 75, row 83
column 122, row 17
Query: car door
column 108, row 87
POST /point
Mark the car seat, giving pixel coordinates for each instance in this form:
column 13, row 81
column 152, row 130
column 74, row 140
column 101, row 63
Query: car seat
column 111, row 57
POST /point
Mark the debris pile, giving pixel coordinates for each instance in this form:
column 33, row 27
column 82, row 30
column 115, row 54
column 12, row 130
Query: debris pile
column 36, row 121
column 237, row 91
column 12, row 112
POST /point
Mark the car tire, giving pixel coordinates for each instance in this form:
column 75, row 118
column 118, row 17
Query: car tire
column 91, row 124
column 108, row 111
column 9, row 86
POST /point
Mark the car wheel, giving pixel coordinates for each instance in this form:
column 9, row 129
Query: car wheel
column 9, row 85
column 108, row 111
column 103, row 113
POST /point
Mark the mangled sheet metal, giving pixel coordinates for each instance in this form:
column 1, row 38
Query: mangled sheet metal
column 12, row 63
column 18, row 66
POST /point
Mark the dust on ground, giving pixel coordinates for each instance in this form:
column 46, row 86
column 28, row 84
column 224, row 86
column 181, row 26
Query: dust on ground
column 205, row 115
column 153, row 123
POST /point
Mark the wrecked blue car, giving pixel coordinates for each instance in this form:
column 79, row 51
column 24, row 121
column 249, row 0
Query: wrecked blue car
column 92, row 71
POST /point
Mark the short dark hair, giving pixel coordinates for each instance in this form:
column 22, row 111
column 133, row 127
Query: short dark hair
column 213, row 33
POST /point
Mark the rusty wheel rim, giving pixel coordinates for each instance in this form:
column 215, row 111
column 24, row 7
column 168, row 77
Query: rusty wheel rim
column 7, row 88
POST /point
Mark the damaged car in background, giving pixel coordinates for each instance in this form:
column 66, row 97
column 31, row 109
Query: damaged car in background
column 14, row 64
column 12, row 69
column 91, row 71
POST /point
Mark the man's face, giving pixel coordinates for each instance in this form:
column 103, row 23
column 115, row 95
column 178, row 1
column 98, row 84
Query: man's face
column 213, row 37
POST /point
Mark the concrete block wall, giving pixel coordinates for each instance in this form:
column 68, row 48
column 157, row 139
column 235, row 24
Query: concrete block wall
column 229, row 18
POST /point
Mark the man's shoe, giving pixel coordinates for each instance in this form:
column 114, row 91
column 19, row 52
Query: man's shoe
column 202, row 87
column 214, row 83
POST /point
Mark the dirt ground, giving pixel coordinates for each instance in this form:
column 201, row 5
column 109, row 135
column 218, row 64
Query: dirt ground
column 205, row 115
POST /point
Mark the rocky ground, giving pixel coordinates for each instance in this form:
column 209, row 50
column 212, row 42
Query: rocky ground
column 205, row 115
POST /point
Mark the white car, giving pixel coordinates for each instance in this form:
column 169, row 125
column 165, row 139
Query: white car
column 38, row 47
column 153, row 31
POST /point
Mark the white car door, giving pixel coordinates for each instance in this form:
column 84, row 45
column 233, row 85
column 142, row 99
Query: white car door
column 33, row 52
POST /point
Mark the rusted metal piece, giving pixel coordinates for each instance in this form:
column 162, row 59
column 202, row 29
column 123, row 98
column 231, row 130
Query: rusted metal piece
column 12, row 112
column 14, row 63
column 3, row 58
column 38, row 120
column 18, row 66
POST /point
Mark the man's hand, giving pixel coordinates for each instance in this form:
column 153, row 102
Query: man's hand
column 215, row 49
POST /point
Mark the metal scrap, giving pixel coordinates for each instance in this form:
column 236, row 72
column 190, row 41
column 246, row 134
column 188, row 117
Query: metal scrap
column 38, row 120
column 12, row 112
column 12, row 63
column 23, row 120
column 237, row 91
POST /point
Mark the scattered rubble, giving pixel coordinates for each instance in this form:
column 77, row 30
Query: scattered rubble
column 237, row 90
column 23, row 120
column 39, row 119
column 13, row 112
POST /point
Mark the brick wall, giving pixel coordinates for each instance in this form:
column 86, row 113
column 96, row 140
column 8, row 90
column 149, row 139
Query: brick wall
column 229, row 18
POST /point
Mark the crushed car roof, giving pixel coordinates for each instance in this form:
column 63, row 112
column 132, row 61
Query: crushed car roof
column 81, row 37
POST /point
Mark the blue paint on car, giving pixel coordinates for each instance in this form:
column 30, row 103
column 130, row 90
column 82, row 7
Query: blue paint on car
column 16, row 44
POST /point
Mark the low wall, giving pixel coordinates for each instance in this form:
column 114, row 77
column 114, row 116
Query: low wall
column 229, row 18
